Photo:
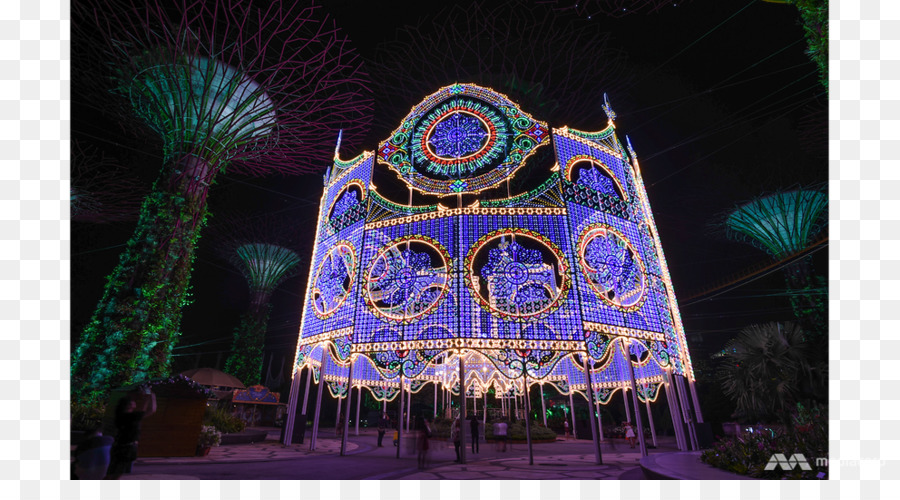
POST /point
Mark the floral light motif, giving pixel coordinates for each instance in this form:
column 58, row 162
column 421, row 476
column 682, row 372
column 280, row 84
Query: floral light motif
column 405, row 284
column 592, row 178
column 611, row 266
column 347, row 201
column 457, row 136
column 518, row 279
column 333, row 280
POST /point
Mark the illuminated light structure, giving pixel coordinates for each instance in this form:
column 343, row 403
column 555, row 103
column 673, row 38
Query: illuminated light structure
column 248, row 86
column 784, row 225
column 502, row 291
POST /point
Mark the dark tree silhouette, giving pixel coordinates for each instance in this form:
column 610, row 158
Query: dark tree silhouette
column 555, row 66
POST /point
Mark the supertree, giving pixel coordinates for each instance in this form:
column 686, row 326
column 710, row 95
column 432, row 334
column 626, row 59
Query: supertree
column 254, row 87
column 785, row 225
column 265, row 266
column 554, row 64
column 260, row 247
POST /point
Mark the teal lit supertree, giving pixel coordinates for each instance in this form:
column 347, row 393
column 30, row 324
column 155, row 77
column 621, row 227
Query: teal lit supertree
column 785, row 225
column 254, row 87
column 265, row 266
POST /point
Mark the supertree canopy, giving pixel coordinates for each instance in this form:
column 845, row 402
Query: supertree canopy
column 223, row 84
column 522, row 288
column 784, row 225
column 781, row 223
column 265, row 266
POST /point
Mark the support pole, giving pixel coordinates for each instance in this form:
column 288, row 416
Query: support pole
column 598, row 455
column 652, row 426
column 408, row 406
column 693, row 386
column 634, row 398
column 600, row 422
column 358, row 406
column 309, row 377
column 516, row 402
column 484, row 413
column 627, row 407
column 686, row 412
column 543, row 404
column 292, row 407
column 572, row 412
column 345, row 427
column 675, row 412
column 400, row 420
column 435, row 400
column 462, row 408
column 528, row 419
column 320, row 389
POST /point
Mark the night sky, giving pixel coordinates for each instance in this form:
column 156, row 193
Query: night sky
column 718, row 97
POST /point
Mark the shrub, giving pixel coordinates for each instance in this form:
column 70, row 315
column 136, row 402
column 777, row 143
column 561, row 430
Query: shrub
column 87, row 416
column 516, row 431
column 209, row 437
column 748, row 454
column 223, row 420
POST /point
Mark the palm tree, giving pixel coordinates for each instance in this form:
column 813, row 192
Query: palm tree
column 767, row 370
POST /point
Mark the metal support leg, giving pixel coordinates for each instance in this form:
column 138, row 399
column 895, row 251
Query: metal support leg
column 598, row 455
column 345, row 427
column 321, row 389
column 634, row 398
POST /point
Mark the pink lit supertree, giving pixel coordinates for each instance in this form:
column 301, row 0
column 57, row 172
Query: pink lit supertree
column 252, row 87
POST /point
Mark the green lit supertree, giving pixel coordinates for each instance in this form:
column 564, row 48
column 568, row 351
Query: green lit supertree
column 254, row 87
column 785, row 225
column 265, row 266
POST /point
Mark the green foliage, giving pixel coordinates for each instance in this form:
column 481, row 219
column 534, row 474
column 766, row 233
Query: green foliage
column 86, row 416
column 749, row 453
column 246, row 358
column 209, row 437
column 223, row 420
column 138, row 319
column 814, row 16
column 766, row 371
column 516, row 430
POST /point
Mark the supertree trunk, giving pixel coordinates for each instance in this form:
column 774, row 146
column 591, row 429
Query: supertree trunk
column 137, row 320
column 806, row 290
column 246, row 358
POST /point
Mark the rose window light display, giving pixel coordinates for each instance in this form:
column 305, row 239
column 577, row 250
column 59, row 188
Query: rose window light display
column 432, row 272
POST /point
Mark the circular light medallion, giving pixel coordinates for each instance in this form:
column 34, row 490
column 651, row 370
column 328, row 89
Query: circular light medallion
column 517, row 274
column 612, row 266
column 458, row 136
column 408, row 278
column 333, row 279
column 462, row 139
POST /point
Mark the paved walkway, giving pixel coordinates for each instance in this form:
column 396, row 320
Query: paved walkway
column 563, row 459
